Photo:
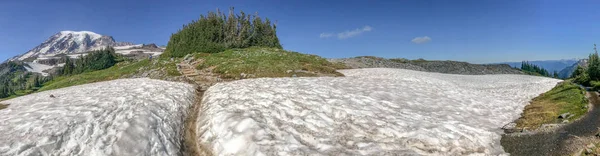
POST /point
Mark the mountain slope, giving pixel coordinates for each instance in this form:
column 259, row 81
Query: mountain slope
column 550, row 65
column 67, row 42
column 566, row 72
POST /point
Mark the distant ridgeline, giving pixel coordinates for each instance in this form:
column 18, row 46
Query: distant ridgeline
column 217, row 32
column 533, row 69
column 15, row 80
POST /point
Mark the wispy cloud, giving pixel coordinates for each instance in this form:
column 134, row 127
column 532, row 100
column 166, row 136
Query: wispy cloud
column 421, row 40
column 348, row 34
column 326, row 35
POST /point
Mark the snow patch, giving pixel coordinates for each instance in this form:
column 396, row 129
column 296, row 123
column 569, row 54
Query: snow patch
column 128, row 51
column 128, row 47
column 368, row 112
column 120, row 117
column 38, row 68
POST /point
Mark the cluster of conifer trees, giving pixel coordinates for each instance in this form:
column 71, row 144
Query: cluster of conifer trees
column 95, row 60
column 14, row 77
column 535, row 69
column 217, row 32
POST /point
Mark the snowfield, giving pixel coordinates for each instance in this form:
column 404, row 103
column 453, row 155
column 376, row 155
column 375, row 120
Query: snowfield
column 368, row 112
column 120, row 117
column 38, row 68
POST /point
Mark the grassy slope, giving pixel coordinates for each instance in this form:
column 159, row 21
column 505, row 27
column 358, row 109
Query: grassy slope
column 120, row 70
column 259, row 62
column 566, row 97
column 266, row 62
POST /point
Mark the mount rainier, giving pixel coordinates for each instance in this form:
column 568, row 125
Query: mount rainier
column 67, row 42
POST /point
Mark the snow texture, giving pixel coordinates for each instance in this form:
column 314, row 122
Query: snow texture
column 120, row 117
column 368, row 112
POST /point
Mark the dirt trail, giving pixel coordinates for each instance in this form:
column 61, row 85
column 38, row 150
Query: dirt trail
column 203, row 80
column 565, row 140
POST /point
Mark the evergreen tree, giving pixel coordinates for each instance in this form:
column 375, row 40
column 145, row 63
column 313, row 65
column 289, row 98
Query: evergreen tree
column 532, row 68
column 36, row 82
column 578, row 71
column 217, row 32
column 68, row 68
column 594, row 65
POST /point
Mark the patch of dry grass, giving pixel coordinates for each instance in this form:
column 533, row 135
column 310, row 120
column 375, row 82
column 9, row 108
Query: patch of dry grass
column 564, row 98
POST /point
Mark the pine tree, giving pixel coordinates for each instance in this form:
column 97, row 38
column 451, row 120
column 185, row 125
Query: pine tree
column 216, row 32
column 36, row 82
column 68, row 68
column 578, row 71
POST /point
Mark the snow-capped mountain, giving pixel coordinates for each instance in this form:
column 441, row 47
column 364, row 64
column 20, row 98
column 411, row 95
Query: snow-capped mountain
column 67, row 42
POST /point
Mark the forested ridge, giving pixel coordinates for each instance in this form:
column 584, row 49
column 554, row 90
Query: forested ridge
column 537, row 70
column 16, row 80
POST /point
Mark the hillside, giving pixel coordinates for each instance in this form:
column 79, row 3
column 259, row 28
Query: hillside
column 550, row 65
column 566, row 72
column 449, row 67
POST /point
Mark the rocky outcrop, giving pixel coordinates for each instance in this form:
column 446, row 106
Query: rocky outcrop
column 375, row 62
column 450, row 67
column 454, row 67
column 566, row 73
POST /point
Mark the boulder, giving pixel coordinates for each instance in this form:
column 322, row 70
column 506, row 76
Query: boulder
column 564, row 115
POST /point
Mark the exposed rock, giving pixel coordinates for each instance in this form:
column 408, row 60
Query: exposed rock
column 375, row 62
column 564, row 115
column 588, row 151
column 450, row 67
column 510, row 128
column 152, row 45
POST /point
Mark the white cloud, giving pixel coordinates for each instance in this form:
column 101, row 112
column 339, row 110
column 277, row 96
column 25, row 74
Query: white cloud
column 348, row 34
column 420, row 40
column 325, row 35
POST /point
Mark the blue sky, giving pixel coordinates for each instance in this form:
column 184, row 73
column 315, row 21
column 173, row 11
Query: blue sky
column 478, row 31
